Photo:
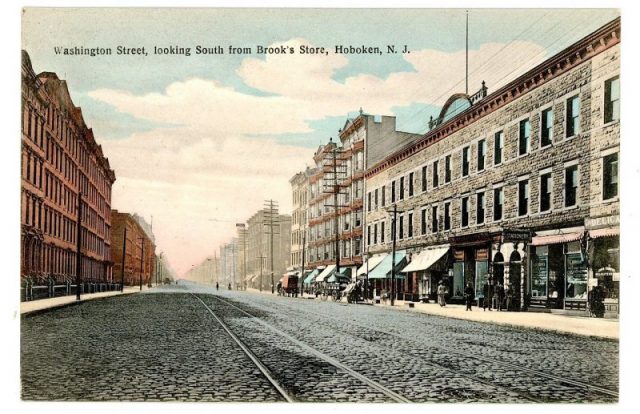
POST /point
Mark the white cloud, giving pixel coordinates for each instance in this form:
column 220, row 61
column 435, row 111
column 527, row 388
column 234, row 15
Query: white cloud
column 207, row 167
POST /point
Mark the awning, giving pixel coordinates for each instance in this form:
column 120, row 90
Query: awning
column 311, row 276
column 557, row 236
column 426, row 258
column 606, row 232
column 383, row 270
column 373, row 261
column 325, row 273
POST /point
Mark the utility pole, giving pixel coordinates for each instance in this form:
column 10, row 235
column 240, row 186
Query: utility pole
column 335, row 166
column 304, row 241
column 79, row 247
column 124, row 255
column 141, row 262
column 466, row 60
column 271, row 213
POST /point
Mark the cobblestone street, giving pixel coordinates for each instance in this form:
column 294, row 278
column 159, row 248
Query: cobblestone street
column 170, row 344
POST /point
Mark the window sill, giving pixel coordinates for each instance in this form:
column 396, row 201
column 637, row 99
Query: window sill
column 610, row 123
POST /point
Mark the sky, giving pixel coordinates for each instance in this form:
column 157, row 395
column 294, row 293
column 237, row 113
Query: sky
column 199, row 142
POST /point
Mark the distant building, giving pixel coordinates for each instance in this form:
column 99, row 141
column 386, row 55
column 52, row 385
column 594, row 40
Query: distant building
column 140, row 262
column 60, row 158
column 259, row 249
column 299, row 222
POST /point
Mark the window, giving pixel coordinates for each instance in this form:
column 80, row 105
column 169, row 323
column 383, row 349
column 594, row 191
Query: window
column 546, row 127
column 382, row 232
column 368, row 235
column 434, row 219
column 424, row 178
column 573, row 116
column 383, row 196
column 435, row 174
column 545, row 192
column 401, row 189
column 400, row 227
column 464, row 212
column 571, row 186
column 447, row 169
column 498, row 145
column 523, row 141
column 447, row 216
column 369, row 201
column 375, row 233
column 610, row 176
column 480, row 206
column 612, row 100
column 393, row 191
column 423, row 221
column 375, row 198
column 482, row 153
column 498, row 202
column 411, row 184
column 523, row 197
column 410, row 225
column 465, row 161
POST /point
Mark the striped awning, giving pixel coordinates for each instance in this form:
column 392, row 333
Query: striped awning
column 383, row 270
column 557, row 236
column 606, row 232
column 370, row 263
column 426, row 258
column 325, row 273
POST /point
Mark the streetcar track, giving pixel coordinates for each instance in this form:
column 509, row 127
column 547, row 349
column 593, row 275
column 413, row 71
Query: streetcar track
column 557, row 378
column 362, row 378
column 476, row 378
column 263, row 369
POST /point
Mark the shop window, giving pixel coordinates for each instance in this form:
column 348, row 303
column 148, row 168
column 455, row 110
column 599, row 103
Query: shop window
column 573, row 116
column 606, row 265
column 539, row 271
column 498, row 145
column 465, row 161
column 480, row 208
column 523, row 137
column 610, row 176
column 523, row 197
column 576, row 272
column 482, row 276
column 498, row 202
column 464, row 212
column 571, row 186
column 545, row 192
column 612, row 100
column 458, row 278
column 546, row 127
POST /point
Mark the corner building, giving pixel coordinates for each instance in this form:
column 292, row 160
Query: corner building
column 139, row 252
column 519, row 187
column 60, row 159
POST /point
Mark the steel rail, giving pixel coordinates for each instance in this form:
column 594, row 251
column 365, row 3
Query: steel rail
column 373, row 384
column 265, row 371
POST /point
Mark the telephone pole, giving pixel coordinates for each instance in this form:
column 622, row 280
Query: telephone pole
column 271, row 220
column 141, row 262
column 261, row 258
column 304, row 241
column 334, row 167
column 124, row 255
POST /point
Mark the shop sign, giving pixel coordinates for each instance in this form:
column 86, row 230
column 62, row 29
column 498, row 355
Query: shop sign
column 607, row 221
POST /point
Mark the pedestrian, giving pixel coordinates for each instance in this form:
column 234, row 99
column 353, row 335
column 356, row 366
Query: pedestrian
column 485, row 296
column 468, row 296
column 229, row 286
column 509, row 297
column 442, row 291
column 217, row 286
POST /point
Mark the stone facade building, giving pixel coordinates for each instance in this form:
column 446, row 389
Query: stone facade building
column 519, row 187
column 139, row 252
column 299, row 222
column 61, row 158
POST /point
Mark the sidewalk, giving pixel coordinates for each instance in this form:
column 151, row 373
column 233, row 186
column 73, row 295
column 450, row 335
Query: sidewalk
column 61, row 301
column 577, row 325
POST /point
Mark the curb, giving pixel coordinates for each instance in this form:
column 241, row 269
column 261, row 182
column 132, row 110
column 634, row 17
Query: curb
column 69, row 304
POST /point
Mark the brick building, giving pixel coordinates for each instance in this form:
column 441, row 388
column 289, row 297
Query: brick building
column 140, row 262
column 61, row 158
column 364, row 140
column 520, row 187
